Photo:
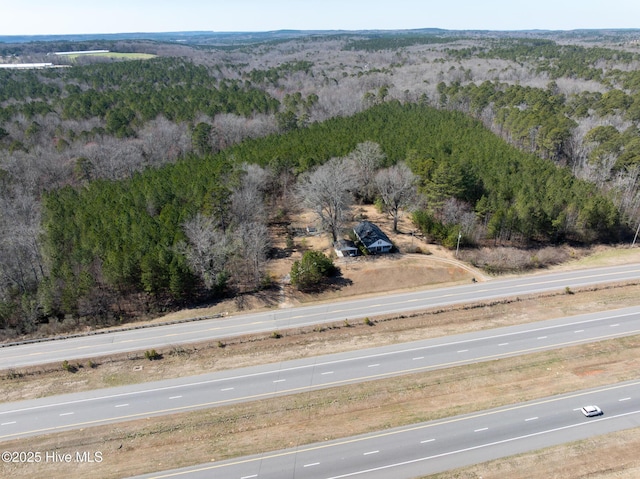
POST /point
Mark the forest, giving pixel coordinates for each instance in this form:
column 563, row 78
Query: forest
column 129, row 187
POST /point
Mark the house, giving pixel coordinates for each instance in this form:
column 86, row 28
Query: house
column 372, row 238
column 344, row 248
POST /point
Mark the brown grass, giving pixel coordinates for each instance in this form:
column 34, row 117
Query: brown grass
column 161, row 443
column 612, row 456
column 173, row 441
column 132, row 368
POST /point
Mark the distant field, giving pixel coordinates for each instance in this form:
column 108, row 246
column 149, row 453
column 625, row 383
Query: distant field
column 128, row 56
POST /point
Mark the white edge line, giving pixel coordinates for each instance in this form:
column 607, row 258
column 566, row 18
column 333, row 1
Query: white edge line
column 389, row 353
column 481, row 446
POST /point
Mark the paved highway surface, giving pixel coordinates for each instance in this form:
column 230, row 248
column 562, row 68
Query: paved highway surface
column 143, row 339
column 27, row 418
column 441, row 445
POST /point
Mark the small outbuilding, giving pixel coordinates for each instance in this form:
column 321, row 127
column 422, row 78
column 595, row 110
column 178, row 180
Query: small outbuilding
column 372, row 237
column 344, row 248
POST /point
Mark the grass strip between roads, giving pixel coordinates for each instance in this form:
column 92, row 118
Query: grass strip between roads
column 179, row 440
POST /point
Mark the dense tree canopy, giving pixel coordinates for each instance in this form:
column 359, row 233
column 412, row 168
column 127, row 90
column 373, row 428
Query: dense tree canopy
column 123, row 180
column 126, row 233
column 128, row 91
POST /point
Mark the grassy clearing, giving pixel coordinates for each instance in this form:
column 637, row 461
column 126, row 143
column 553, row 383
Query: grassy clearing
column 606, row 256
column 117, row 55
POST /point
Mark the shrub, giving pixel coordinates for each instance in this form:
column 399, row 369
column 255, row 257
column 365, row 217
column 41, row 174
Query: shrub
column 67, row 366
column 435, row 230
column 505, row 259
column 290, row 243
column 152, row 355
column 312, row 270
column 13, row 374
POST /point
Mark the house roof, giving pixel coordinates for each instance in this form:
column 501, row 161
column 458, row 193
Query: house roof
column 370, row 233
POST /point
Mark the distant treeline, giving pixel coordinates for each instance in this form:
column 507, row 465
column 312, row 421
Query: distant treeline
column 128, row 94
column 393, row 42
column 572, row 61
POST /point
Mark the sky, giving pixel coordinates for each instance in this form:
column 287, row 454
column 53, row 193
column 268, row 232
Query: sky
column 47, row 17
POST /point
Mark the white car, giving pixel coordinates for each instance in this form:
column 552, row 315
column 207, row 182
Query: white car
column 590, row 411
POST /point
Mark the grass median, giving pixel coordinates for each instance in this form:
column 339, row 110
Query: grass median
column 163, row 443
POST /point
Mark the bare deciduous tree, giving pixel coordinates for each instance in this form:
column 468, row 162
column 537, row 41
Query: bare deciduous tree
column 163, row 141
column 231, row 129
column 247, row 200
column 365, row 160
column 397, row 188
column 115, row 159
column 251, row 246
column 327, row 191
column 207, row 250
column 21, row 264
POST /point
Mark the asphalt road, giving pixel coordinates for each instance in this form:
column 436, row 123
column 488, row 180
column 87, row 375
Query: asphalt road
column 79, row 410
column 280, row 319
column 441, row 445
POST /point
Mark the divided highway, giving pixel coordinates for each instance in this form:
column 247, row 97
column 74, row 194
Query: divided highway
column 169, row 335
column 441, row 445
column 79, row 410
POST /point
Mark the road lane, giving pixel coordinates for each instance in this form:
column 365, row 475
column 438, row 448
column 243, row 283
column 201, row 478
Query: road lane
column 28, row 418
column 280, row 319
column 436, row 446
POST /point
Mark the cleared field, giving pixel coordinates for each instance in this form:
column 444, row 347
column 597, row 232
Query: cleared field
column 125, row 56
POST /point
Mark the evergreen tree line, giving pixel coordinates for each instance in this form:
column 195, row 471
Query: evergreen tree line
column 542, row 120
column 558, row 60
column 129, row 236
column 125, row 96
